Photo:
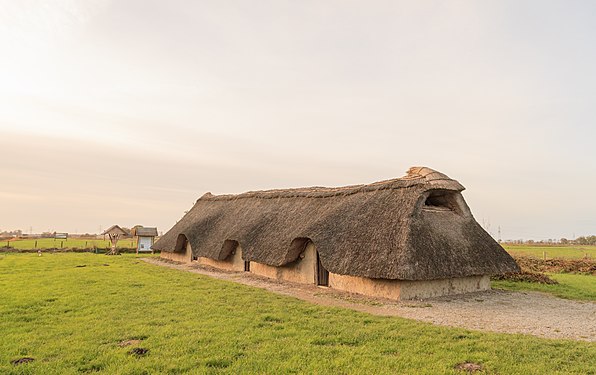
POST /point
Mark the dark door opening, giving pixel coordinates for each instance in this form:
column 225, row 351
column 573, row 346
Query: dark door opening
column 247, row 266
column 322, row 273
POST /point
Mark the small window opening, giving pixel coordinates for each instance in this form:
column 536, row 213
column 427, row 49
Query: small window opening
column 442, row 201
column 297, row 249
column 228, row 248
column 181, row 244
column 247, row 266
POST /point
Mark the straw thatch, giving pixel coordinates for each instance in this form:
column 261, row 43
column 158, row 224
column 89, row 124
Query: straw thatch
column 115, row 230
column 145, row 232
column 414, row 228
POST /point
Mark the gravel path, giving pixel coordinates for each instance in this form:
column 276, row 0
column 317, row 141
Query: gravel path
column 531, row 313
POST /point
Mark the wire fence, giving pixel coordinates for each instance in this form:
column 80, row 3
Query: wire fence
column 69, row 243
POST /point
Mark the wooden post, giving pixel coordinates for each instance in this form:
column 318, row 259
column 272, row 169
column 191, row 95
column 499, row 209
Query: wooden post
column 544, row 255
column 114, row 241
column 36, row 244
column 62, row 244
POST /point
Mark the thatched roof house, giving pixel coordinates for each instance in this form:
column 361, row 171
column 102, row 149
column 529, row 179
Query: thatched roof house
column 144, row 231
column 413, row 228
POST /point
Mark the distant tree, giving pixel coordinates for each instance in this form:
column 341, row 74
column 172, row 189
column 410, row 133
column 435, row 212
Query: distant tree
column 564, row 241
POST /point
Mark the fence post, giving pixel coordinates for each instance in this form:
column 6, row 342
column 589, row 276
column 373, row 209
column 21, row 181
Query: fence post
column 544, row 255
column 62, row 244
column 36, row 244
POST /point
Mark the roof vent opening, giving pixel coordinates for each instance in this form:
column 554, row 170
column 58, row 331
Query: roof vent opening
column 442, row 200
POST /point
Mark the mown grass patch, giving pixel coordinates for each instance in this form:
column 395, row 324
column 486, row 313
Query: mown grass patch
column 75, row 320
column 569, row 251
column 570, row 286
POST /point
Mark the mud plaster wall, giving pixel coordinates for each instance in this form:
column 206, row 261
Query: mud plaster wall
column 404, row 290
column 300, row 271
column 370, row 287
column 443, row 287
column 233, row 263
column 303, row 270
column 184, row 257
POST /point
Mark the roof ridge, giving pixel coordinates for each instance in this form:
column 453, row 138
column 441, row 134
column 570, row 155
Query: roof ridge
column 414, row 176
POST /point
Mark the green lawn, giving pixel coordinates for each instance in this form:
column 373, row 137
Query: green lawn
column 580, row 287
column 71, row 319
column 572, row 251
column 49, row 243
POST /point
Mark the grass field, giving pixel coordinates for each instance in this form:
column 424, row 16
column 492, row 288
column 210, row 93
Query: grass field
column 50, row 243
column 572, row 251
column 71, row 319
column 579, row 287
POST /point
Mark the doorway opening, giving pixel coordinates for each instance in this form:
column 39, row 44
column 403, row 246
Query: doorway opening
column 322, row 273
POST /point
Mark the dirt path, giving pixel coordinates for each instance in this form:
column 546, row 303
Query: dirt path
column 531, row 313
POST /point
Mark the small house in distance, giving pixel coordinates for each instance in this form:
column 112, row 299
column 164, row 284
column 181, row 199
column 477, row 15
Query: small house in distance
column 145, row 237
column 406, row 238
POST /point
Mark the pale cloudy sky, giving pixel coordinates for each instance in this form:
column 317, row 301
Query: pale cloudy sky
column 127, row 111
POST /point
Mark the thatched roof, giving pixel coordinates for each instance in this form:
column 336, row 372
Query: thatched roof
column 413, row 228
column 145, row 231
column 115, row 229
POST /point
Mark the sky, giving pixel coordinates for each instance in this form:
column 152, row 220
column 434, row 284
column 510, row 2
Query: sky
column 125, row 112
